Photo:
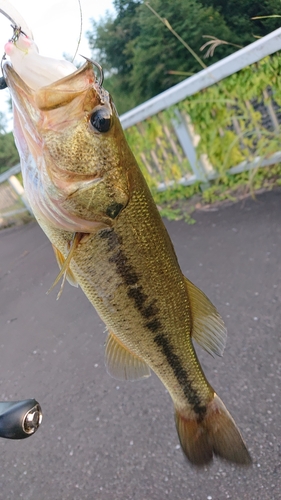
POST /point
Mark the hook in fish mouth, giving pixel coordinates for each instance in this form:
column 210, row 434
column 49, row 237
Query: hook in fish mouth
column 98, row 66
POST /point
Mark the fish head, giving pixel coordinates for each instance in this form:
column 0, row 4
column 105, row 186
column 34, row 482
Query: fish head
column 72, row 149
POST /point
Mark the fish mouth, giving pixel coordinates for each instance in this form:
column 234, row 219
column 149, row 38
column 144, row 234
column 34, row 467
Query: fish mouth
column 45, row 120
column 55, row 95
column 55, row 107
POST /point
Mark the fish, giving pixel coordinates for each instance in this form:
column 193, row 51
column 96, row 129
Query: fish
column 89, row 196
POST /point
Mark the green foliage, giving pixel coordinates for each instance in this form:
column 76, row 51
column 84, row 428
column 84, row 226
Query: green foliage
column 155, row 147
column 238, row 15
column 8, row 152
column 173, row 203
column 157, row 51
column 180, row 202
column 229, row 119
column 230, row 127
column 175, row 193
column 231, row 187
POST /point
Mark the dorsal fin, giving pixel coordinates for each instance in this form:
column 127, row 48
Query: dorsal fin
column 121, row 363
column 208, row 328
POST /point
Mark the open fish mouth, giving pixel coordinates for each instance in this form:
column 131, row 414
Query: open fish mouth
column 53, row 102
column 51, row 96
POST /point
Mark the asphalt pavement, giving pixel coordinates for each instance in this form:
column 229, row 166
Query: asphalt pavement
column 102, row 439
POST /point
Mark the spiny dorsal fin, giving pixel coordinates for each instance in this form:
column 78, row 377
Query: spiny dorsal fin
column 121, row 363
column 208, row 328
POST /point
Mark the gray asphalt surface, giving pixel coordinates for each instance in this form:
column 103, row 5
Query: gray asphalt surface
column 107, row 440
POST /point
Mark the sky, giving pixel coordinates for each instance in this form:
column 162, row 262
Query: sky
column 55, row 25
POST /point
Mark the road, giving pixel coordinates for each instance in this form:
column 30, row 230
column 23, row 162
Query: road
column 107, row 440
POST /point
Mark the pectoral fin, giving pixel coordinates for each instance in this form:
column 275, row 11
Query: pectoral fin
column 61, row 261
column 121, row 363
column 208, row 328
column 64, row 263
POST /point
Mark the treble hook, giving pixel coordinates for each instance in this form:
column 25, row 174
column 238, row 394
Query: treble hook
column 98, row 66
column 17, row 31
column 16, row 34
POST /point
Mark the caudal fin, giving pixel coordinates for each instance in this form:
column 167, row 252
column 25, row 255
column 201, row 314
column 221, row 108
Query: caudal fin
column 217, row 434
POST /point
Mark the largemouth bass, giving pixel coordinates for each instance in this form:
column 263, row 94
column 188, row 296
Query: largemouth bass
column 90, row 198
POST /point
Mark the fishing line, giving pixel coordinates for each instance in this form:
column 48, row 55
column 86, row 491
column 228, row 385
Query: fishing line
column 81, row 26
column 14, row 24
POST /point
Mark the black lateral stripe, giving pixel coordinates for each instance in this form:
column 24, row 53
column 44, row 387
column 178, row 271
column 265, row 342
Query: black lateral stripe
column 113, row 240
column 123, row 268
column 154, row 325
column 181, row 375
column 131, row 279
column 138, row 296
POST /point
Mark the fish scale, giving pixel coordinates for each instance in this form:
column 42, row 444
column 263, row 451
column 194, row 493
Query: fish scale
column 142, row 273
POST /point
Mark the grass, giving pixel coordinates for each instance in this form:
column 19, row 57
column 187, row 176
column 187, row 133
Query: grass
column 179, row 202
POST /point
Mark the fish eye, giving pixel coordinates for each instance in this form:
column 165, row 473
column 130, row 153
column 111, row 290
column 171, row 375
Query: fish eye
column 101, row 119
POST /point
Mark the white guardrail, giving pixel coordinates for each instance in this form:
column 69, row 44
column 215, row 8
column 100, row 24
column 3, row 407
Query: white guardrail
column 202, row 170
column 225, row 67
column 205, row 78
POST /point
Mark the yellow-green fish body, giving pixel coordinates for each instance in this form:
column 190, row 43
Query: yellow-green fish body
column 90, row 198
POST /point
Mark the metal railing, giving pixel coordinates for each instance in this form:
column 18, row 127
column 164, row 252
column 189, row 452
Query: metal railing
column 225, row 67
column 180, row 133
column 180, row 130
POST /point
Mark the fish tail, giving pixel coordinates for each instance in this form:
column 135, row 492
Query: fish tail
column 215, row 434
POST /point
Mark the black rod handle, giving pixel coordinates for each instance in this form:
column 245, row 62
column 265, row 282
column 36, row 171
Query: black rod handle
column 19, row 419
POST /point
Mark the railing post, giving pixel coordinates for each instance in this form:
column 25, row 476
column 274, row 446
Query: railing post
column 187, row 141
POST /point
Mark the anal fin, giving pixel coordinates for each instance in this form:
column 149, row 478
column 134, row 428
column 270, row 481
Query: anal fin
column 208, row 328
column 121, row 363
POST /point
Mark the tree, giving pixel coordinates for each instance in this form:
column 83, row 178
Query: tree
column 238, row 15
column 157, row 52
